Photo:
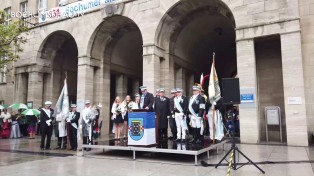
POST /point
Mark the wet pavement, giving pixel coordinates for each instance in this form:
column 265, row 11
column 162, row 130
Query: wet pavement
column 24, row 157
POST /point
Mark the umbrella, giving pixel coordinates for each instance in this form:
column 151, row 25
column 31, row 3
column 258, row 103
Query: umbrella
column 31, row 112
column 3, row 107
column 18, row 106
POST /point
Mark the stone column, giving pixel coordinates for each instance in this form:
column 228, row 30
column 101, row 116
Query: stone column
column 293, row 80
column 21, row 81
column 180, row 78
column 189, row 84
column 85, row 81
column 121, row 86
column 35, row 89
column 249, row 120
column 151, row 68
column 135, row 86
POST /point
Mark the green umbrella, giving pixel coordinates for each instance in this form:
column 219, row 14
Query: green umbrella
column 3, row 106
column 31, row 112
column 18, row 106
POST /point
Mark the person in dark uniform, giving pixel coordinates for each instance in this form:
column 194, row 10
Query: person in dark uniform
column 162, row 110
column 46, row 120
column 73, row 119
column 196, row 111
column 147, row 99
column 172, row 121
column 180, row 110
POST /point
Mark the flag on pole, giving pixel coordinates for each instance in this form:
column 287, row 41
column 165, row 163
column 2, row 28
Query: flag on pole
column 213, row 87
column 62, row 105
column 201, row 80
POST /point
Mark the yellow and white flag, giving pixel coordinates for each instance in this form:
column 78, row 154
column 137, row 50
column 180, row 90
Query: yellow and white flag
column 213, row 87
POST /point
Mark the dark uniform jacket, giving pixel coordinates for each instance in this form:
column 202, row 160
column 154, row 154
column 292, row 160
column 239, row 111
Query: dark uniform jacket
column 44, row 117
column 184, row 105
column 199, row 105
column 76, row 118
column 162, row 110
column 148, row 101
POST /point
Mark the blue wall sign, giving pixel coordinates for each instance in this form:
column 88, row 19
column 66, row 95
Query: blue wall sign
column 247, row 98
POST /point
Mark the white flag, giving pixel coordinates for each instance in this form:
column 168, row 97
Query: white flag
column 62, row 105
column 213, row 87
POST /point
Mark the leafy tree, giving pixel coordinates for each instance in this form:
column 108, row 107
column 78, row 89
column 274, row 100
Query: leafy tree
column 10, row 39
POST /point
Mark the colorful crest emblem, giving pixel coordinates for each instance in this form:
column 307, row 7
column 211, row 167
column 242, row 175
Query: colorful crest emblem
column 136, row 129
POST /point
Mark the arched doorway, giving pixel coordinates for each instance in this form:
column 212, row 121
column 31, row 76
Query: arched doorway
column 191, row 31
column 60, row 54
column 117, row 43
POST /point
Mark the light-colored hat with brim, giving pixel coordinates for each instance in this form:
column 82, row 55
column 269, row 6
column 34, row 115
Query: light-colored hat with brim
column 197, row 88
column 137, row 95
column 157, row 90
column 162, row 90
column 179, row 90
column 48, row 103
column 87, row 102
column 73, row 106
column 173, row 91
column 143, row 88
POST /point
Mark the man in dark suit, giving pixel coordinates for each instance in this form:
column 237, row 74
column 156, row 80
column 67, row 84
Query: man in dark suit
column 147, row 99
column 196, row 111
column 46, row 120
column 162, row 110
column 180, row 110
column 172, row 121
column 73, row 120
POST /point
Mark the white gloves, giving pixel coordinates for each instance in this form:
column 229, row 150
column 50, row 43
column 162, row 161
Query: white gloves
column 168, row 117
column 48, row 122
column 199, row 118
column 68, row 120
column 214, row 103
column 172, row 116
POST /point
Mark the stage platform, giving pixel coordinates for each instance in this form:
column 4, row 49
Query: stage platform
column 163, row 147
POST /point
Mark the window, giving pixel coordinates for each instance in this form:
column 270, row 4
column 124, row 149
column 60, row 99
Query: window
column 42, row 4
column 63, row 2
column 23, row 7
column 3, row 72
column 7, row 11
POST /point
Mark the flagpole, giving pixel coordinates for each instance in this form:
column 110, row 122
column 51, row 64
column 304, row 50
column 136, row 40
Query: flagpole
column 68, row 124
column 214, row 111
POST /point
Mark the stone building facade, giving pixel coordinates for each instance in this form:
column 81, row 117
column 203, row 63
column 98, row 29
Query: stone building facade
column 111, row 50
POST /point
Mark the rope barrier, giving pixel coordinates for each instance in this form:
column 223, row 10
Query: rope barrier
column 230, row 163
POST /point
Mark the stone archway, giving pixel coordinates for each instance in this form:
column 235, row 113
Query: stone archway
column 190, row 32
column 59, row 56
column 117, row 45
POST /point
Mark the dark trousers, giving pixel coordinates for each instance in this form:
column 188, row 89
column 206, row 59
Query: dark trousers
column 85, row 140
column 46, row 131
column 64, row 140
column 173, row 127
column 162, row 133
column 23, row 129
column 73, row 137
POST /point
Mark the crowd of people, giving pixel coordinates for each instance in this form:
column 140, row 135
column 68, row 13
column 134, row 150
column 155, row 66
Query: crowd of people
column 184, row 116
column 17, row 125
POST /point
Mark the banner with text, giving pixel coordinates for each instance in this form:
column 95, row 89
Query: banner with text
column 73, row 9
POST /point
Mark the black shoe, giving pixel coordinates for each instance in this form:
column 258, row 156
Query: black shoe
column 177, row 140
column 48, row 148
column 74, row 149
column 192, row 141
column 183, row 141
column 198, row 141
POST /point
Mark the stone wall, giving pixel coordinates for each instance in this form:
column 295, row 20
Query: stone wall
column 307, row 25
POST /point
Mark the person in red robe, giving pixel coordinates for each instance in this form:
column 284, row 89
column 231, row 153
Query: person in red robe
column 5, row 133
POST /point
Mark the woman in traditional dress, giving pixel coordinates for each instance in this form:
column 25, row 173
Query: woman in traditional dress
column 127, row 106
column 32, row 121
column 6, row 116
column 15, row 127
column 117, row 118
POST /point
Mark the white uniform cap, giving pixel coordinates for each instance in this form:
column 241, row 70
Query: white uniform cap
column 48, row 103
